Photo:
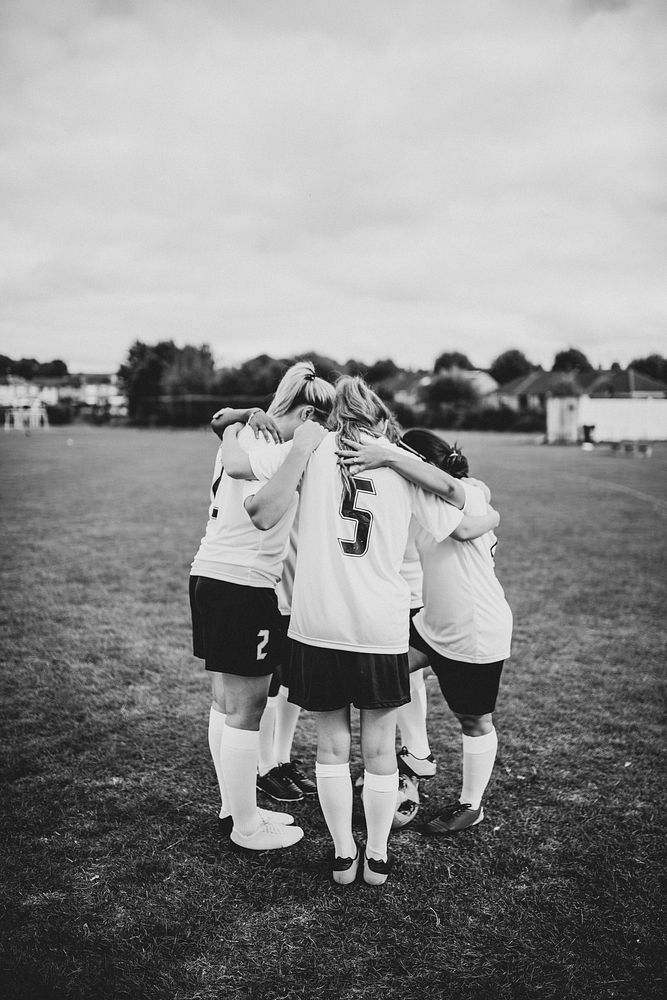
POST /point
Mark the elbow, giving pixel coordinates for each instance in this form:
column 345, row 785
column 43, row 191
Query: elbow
column 259, row 517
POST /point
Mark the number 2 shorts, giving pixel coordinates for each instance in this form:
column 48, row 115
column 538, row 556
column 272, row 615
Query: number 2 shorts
column 235, row 629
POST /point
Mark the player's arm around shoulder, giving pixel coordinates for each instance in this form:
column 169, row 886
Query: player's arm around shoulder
column 271, row 501
column 254, row 417
column 235, row 459
column 479, row 516
column 383, row 454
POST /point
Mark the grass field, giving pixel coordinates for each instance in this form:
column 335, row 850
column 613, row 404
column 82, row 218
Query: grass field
column 114, row 882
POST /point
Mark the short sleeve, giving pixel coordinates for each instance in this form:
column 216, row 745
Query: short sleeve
column 266, row 457
column 475, row 500
column 435, row 515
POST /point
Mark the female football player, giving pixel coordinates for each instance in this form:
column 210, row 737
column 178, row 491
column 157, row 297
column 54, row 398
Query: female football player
column 350, row 615
column 465, row 627
column 236, row 623
column 280, row 777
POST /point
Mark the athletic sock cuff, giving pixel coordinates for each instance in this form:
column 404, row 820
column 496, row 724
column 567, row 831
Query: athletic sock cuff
column 480, row 744
column 417, row 680
column 216, row 718
column 332, row 770
column 240, row 739
column 381, row 782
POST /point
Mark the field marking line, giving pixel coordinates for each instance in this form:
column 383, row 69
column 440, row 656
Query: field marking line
column 659, row 504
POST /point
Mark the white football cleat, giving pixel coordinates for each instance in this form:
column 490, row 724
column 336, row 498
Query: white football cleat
column 268, row 837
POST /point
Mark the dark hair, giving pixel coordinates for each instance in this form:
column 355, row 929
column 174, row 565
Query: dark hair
column 437, row 452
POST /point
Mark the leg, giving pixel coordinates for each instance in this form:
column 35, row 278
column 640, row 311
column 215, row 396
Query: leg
column 378, row 729
column 334, row 786
column 245, row 699
column 480, row 745
column 287, row 716
column 216, row 724
column 267, row 727
column 415, row 757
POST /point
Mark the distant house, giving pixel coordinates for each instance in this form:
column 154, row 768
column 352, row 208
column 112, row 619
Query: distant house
column 101, row 392
column 25, row 402
column 608, row 406
column 529, row 393
column 22, row 405
column 411, row 392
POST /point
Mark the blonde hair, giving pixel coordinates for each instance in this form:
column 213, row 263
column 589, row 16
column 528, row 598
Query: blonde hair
column 300, row 386
column 357, row 411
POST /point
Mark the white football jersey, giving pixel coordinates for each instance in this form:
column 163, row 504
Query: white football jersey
column 233, row 549
column 411, row 569
column 348, row 590
column 465, row 615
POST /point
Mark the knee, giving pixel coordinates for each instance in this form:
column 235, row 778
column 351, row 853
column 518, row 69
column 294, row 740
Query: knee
column 246, row 712
column 476, row 725
column 379, row 754
column 333, row 749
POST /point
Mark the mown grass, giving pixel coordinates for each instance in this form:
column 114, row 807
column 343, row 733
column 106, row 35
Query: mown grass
column 114, row 882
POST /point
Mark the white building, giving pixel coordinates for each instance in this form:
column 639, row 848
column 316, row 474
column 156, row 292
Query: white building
column 616, row 406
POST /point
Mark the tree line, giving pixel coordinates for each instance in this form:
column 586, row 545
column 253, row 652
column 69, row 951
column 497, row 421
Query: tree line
column 179, row 386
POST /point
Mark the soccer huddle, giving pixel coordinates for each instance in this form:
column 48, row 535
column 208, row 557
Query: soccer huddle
column 338, row 561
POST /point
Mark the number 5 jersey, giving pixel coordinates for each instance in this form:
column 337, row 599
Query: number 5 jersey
column 348, row 590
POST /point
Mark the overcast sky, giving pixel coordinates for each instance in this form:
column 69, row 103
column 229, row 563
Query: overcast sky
column 365, row 178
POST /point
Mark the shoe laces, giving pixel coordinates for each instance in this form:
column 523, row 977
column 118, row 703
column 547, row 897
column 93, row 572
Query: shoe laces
column 269, row 827
column 456, row 808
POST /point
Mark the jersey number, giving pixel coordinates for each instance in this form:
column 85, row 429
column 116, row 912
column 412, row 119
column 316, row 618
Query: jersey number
column 364, row 518
column 263, row 636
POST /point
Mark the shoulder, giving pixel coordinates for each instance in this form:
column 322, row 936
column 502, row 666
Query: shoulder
column 476, row 501
column 470, row 481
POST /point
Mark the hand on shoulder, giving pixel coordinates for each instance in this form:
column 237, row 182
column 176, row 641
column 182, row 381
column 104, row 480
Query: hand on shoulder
column 309, row 435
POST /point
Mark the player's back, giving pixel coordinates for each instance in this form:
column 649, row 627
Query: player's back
column 466, row 616
column 348, row 591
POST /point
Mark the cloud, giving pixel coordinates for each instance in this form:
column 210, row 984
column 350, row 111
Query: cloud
column 390, row 179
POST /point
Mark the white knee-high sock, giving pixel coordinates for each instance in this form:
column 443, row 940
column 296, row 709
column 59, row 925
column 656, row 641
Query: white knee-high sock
column 334, row 790
column 216, row 723
column 267, row 757
column 412, row 718
column 479, row 755
column 379, row 798
column 239, row 752
column 287, row 716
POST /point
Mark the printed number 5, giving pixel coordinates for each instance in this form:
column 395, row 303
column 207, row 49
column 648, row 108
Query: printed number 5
column 364, row 518
column 263, row 636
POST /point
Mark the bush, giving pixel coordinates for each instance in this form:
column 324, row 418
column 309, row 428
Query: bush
column 406, row 415
column 59, row 413
column 531, row 421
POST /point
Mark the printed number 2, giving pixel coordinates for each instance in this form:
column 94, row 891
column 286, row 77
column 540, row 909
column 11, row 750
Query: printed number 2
column 263, row 636
column 364, row 518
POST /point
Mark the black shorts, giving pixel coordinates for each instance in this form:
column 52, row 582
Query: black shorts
column 280, row 678
column 468, row 688
column 235, row 629
column 324, row 680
